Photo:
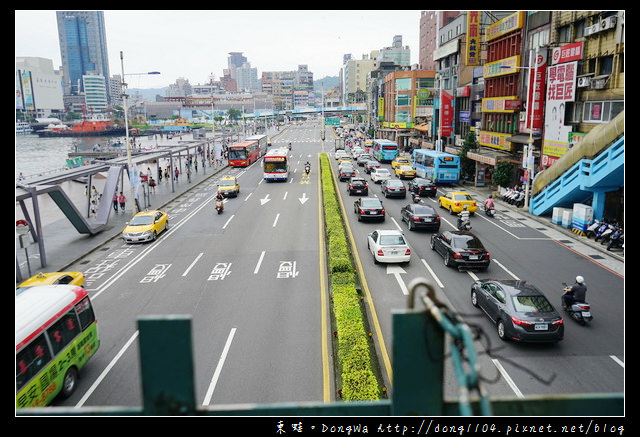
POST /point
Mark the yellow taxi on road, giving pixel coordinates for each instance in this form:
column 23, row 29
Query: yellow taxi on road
column 405, row 172
column 54, row 278
column 145, row 226
column 398, row 161
column 455, row 201
column 229, row 186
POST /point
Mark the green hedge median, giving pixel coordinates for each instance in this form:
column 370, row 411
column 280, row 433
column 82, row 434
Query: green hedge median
column 357, row 377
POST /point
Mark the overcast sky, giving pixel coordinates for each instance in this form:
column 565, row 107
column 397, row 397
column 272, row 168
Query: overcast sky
column 192, row 44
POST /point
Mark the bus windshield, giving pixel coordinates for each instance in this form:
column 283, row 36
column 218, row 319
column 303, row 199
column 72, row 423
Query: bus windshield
column 237, row 153
column 275, row 167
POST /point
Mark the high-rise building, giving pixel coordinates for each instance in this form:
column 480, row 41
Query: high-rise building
column 83, row 48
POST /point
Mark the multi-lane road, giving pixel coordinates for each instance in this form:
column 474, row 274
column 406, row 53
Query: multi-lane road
column 252, row 279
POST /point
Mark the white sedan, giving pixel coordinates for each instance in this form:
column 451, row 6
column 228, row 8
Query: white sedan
column 380, row 174
column 388, row 246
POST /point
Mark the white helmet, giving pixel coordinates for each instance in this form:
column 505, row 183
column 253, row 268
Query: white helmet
column 579, row 279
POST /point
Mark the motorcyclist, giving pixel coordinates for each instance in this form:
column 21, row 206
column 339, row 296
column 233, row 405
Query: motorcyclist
column 489, row 203
column 307, row 167
column 575, row 293
column 289, row 146
column 463, row 216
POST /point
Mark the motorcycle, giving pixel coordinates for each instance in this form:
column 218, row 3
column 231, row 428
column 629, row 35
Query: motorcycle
column 490, row 211
column 464, row 224
column 578, row 311
column 604, row 231
column 616, row 239
column 415, row 197
column 593, row 227
column 606, row 235
column 307, row 168
column 219, row 206
column 601, row 230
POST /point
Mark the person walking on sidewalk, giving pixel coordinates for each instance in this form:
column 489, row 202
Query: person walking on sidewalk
column 152, row 185
column 122, row 200
column 115, row 202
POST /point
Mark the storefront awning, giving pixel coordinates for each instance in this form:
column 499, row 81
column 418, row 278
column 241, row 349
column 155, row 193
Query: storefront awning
column 488, row 156
column 423, row 127
column 523, row 139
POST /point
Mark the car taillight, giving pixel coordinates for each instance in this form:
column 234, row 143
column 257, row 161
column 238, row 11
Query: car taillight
column 520, row 322
column 558, row 322
column 416, row 219
column 382, row 211
column 457, row 204
column 408, row 252
column 437, row 219
column 486, row 256
column 457, row 255
column 380, row 252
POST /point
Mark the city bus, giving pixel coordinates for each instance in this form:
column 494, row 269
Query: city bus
column 383, row 150
column 276, row 165
column 439, row 167
column 262, row 143
column 56, row 335
column 244, row 153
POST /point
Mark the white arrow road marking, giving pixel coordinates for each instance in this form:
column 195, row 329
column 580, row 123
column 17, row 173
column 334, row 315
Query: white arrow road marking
column 396, row 271
column 264, row 200
column 304, row 198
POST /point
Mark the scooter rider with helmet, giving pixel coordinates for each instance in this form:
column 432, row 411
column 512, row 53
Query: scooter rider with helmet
column 463, row 216
column 489, row 203
column 575, row 293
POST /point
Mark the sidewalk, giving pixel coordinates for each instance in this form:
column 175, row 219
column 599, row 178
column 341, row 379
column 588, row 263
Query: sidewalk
column 63, row 245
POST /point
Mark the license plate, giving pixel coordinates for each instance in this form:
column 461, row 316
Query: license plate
column 541, row 327
column 474, row 257
column 393, row 252
column 586, row 314
column 428, row 219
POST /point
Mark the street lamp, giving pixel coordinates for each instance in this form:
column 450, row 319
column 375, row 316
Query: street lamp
column 126, row 130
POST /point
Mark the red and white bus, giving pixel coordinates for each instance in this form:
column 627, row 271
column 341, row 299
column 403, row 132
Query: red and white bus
column 276, row 165
column 244, row 153
column 262, row 143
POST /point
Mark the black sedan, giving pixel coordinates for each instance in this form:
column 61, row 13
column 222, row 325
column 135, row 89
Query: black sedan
column 346, row 172
column 519, row 310
column 393, row 188
column 461, row 249
column 357, row 185
column 369, row 208
column 370, row 165
column 420, row 216
column 423, row 187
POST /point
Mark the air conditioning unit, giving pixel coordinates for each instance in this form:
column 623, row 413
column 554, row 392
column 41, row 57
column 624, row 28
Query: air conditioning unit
column 583, row 82
column 608, row 23
column 599, row 83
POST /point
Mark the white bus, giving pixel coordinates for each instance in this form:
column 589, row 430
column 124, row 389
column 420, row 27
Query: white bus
column 276, row 165
column 262, row 143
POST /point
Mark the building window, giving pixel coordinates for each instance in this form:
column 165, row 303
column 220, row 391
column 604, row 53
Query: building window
column 601, row 112
column 403, row 84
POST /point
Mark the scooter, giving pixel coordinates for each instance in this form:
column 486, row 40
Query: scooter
column 219, row 206
column 616, row 239
column 592, row 228
column 490, row 211
column 578, row 311
column 601, row 230
column 518, row 201
column 606, row 235
column 307, row 168
column 415, row 197
column 464, row 224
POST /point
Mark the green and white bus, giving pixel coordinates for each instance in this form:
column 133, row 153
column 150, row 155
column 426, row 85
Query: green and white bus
column 56, row 334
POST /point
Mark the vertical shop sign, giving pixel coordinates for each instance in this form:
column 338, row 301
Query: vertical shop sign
column 561, row 88
column 446, row 114
column 473, row 38
column 535, row 98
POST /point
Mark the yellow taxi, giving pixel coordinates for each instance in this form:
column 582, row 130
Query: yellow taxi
column 398, row 161
column 145, row 226
column 229, row 186
column 455, row 201
column 405, row 172
column 54, row 278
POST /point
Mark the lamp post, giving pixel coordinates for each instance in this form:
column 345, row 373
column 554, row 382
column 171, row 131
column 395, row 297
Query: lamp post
column 126, row 130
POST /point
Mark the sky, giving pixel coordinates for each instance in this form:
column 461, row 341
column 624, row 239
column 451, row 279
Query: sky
column 192, row 44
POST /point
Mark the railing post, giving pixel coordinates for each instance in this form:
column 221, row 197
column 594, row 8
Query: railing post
column 166, row 365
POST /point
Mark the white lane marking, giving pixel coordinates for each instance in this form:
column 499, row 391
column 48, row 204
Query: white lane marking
column 507, row 378
column 192, row 264
column 225, row 225
column 276, row 220
column 255, row 271
column 216, row 374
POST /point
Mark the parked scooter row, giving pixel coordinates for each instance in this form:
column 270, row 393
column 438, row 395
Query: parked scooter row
column 514, row 196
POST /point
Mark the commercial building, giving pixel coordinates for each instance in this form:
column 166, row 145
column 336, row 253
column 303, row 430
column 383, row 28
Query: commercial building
column 38, row 87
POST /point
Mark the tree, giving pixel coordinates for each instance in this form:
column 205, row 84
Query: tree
column 503, row 174
column 468, row 165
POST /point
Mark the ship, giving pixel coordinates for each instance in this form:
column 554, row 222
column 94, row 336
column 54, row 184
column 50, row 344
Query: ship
column 96, row 125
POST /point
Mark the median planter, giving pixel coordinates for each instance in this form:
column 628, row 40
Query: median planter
column 356, row 377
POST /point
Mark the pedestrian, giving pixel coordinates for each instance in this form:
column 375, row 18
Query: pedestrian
column 122, row 200
column 115, row 202
column 152, row 185
column 166, row 173
column 176, row 173
column 159, row 173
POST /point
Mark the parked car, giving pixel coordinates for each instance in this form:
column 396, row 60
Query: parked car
column 357, row 185
column 145, row 226
column 420, row 216
column 369, row 208
column 519, row 310
column 388, row 246
column 362, row 159
column 405, row 172
column 398, row 161
column 393, row 188
column 380, row 174
column 346, row 172
column 455, row 201
column 371, row 165
column 461, row 249
column 423, row 187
